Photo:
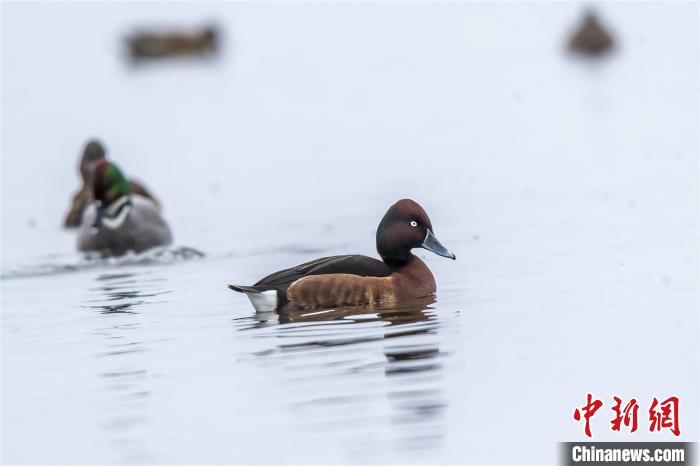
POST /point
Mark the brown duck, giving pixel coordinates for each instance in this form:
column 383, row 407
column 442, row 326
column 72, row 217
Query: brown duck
column 149, row 45
column 354, row 280
column 591, row 38
column 93, row 152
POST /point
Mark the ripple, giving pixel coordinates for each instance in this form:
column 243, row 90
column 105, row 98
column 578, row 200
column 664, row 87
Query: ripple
column 357, row 372
column 155, row 256
column 122, row 293
column 122, row 373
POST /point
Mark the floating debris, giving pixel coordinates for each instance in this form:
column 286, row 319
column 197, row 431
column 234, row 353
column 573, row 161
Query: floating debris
column 155, row 45
column 591, row 38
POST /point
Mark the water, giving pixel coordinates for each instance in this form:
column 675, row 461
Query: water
column 568, row 191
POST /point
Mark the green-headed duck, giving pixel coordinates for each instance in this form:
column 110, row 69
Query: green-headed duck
column 93, row 152
column 353, row 280
column 118, row 220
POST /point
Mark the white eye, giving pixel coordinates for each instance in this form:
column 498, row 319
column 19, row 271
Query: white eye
column 414, row 223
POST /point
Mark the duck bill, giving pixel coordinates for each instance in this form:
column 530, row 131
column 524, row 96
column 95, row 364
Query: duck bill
column 432, row 244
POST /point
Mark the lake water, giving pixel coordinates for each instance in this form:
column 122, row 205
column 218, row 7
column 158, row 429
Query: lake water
column 567, row 189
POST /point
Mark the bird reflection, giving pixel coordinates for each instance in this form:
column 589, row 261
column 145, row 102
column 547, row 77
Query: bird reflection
column 120, row 366
column 117, row 308
column 400, row 313
column 358, row 362
column 125, row 288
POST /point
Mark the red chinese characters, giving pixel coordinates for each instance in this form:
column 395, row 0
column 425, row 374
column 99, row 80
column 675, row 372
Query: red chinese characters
column 588, row 411
column 664, row 415
column 626, row 416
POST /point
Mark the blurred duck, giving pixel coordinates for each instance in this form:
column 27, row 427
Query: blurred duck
column 118, row 220
column 353, row 280
column 145, row 45
column 93, row 152
column 591, row 38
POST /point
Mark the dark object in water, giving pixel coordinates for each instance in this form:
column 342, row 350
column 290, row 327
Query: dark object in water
column 149, row 45
column 591, row 38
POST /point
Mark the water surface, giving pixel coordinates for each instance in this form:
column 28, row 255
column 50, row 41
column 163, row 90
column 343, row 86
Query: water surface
column 567, row 189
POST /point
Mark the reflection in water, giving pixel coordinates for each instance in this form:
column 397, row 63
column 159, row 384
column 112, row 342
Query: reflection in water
column 407, row 313
column 121, row 298
column 371, row 376
column 124, row 288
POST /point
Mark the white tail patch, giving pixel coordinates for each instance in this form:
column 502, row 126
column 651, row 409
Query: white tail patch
column 265, row 301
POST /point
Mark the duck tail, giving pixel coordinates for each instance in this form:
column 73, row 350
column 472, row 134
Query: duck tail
column 263, row 300
column 245, row 289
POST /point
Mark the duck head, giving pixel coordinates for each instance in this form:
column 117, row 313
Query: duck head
column 93, row 152
column 406, row 226
column 111, row 190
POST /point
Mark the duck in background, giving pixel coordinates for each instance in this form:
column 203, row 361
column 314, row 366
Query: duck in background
column 354, row 280
column 591, row 38
column 94, row 151
column 118, row 220
column 155, row 45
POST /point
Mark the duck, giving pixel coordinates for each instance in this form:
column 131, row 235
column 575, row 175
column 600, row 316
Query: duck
column 94, row 151
column 152, row 45
column 357, row 280
column 591, row 38
column 118, row 220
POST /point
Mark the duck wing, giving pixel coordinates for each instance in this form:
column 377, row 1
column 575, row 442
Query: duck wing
column 270, row 293
column 354, row 264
